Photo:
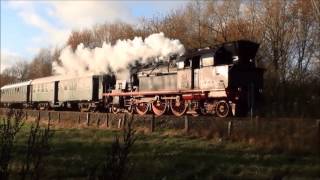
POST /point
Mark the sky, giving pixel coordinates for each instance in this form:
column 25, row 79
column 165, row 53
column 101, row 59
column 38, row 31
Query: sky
column 27, row 26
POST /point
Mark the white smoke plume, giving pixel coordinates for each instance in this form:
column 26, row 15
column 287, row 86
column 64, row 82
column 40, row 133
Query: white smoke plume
column 116, row 57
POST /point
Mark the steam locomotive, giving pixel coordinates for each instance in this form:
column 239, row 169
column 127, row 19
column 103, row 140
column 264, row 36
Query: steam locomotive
column 223, row 81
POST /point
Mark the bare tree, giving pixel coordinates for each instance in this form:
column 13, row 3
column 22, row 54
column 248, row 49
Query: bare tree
column 116, row 164
column 41, row 65
column 9, row 127
column 38, row 147
column 304, row 40
column 77, row 37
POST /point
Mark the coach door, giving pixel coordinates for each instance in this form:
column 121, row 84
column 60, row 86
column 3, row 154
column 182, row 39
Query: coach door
column 195, row 66
column 95, row 88
column 56, row 90
column 29, row 93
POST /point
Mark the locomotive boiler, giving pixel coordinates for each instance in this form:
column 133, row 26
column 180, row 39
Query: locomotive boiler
column 223, row 80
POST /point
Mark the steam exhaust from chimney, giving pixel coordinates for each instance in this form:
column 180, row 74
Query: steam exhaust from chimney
column 116, row 57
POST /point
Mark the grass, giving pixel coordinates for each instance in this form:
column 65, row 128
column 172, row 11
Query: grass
column 163, row 156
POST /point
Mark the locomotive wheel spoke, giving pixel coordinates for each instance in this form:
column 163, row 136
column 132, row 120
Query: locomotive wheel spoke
column 115, row 109
column 130, row 109
column 222, row 109
column 203, row 111
column 142, row 108
column 159, row 107
column 178, row 108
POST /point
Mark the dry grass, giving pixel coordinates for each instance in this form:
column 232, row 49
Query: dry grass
column 295, row 135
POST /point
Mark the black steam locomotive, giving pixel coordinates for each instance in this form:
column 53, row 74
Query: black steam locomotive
column 223, row 81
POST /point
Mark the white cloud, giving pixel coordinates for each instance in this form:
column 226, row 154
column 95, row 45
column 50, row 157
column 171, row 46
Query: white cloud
column 56, row 19
column 51, row 35
column 87, row 13
column 69, row 15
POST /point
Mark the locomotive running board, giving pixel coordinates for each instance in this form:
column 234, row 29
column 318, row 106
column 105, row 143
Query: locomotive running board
column 151, row 93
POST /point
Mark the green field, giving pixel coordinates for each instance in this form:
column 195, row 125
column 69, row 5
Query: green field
column 162, row 155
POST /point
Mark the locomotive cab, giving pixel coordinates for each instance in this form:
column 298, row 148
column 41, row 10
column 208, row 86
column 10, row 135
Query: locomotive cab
column 227, row 72
column 199, row 71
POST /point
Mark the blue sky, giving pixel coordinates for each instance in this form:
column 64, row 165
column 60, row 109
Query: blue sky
column 27, row 26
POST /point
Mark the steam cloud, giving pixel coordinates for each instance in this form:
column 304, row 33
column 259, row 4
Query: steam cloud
column 116, row 57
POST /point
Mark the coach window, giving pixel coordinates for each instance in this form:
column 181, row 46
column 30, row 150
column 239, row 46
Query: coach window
column 207, row 60
column 180, row 65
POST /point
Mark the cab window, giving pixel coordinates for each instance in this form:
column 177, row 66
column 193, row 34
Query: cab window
column 180, row 65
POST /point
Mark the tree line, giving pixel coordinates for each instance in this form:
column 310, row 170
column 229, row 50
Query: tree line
column 288, row 33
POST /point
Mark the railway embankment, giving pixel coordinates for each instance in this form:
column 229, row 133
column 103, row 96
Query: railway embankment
column 283, row 134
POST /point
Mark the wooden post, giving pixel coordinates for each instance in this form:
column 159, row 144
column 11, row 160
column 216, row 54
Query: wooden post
column 49, row 117
column 26, row 115
column 88, row 119
column 59, row 118
column 152, row 123
column 107, row 119
column 186, row 123
column 230, row 128
column 119, row 123
column 124, row 121
column 79, row 118
column 39, row 116
column 257, row 126
column 318, row 132
column 98, row 122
